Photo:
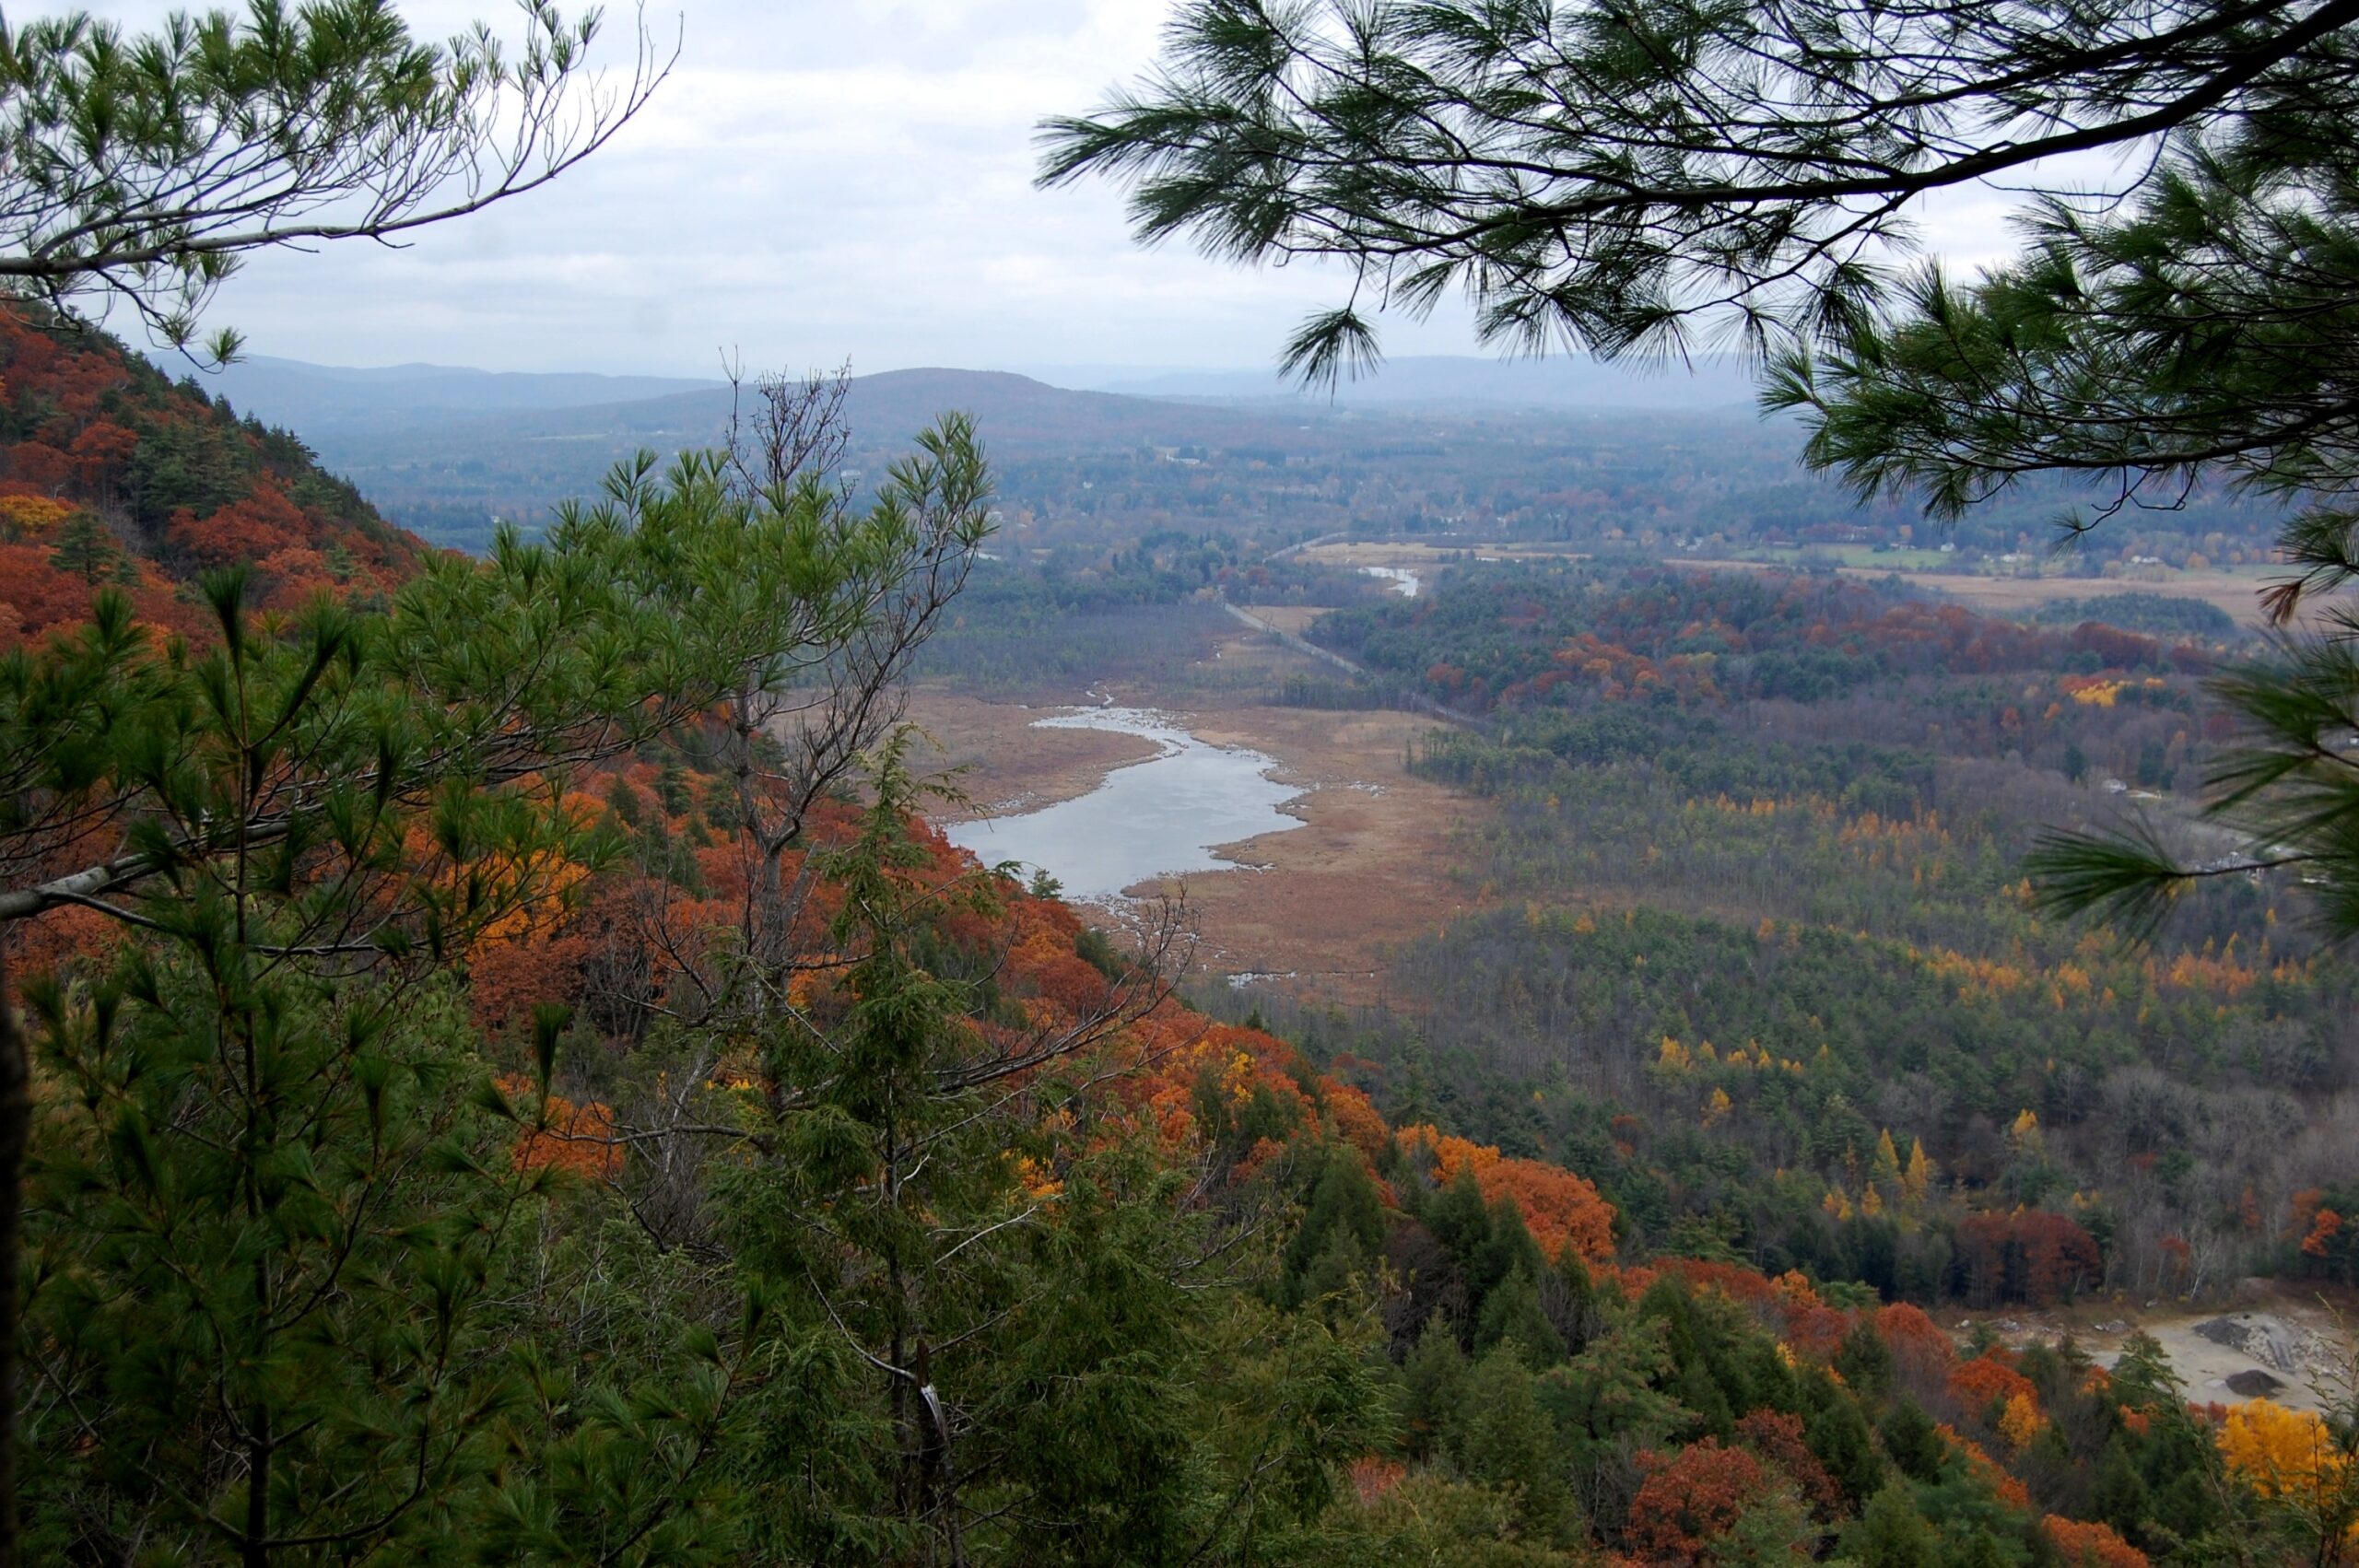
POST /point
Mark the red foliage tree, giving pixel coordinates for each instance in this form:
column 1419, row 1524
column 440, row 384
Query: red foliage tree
column 101, row 449
column 260, row 525
column 2030, row 1256
column 42, row 598
column 1690, row 1499
column 1776, row 1436
column 1922, row 1353
column 41, row 465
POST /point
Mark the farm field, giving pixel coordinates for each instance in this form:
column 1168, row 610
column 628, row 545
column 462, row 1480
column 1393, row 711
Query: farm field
column 1415, row 554
column 2236, row 591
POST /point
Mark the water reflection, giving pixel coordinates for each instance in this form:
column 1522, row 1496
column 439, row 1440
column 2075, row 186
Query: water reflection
column 1160, row 817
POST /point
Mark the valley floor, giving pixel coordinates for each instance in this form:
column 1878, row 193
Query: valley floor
column 2235, row 592
column 1317, row 905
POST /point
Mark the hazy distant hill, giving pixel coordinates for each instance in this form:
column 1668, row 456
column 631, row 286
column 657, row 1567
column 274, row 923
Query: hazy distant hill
column 1461, row 384
column 1096, row 469
column 322, row 403
column 1012, row 412
column 446, row 467
column 312, row 398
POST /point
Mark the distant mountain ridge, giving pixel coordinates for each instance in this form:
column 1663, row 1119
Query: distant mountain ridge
column 1564, row 384
column 448, row 468
column 311, row 397
column 450, row 452
column 887, row 408
column 323, row 403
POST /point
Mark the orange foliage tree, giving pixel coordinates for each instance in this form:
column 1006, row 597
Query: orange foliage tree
column 1988, row 1380
column 1986, row 1471
column 1560, row 1208
column 2086, row 1544
column 1921, row 1354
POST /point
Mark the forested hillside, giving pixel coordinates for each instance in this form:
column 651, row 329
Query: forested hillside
column 111, row 474
column 536, row 1048
column 953, row 1230
column 1540, row 638
column 497, row 1065
column 1761, row 958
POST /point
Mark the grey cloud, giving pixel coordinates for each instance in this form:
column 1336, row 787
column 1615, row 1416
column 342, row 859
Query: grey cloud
column 820, row 179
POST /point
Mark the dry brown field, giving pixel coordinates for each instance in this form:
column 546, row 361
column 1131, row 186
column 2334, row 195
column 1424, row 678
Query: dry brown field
column 1388, row 553
column 2237, row 593
column 1288, row 617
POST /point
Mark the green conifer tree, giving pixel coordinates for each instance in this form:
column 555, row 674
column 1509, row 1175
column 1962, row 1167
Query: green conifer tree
column 86, row 547
column 1435, row 1382
column 266, row 1215
column 1891, row 1533
column 1909, row 1438
column 1504, row 1437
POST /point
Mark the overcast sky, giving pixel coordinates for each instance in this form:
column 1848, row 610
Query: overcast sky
column 819, row 180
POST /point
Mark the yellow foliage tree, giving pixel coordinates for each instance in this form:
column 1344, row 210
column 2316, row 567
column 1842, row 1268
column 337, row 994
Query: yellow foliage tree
column 2279, row 1452
column 1917, row 1182
column 2291, row 1459
column 31, row 517
column 1886, row 1167
column 2021, row 1421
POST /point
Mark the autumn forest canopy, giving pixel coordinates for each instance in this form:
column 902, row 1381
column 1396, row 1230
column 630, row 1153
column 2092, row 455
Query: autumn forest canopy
column 500, row 1062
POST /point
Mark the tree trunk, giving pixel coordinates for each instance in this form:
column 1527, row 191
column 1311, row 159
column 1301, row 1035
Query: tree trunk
column 16, row 1127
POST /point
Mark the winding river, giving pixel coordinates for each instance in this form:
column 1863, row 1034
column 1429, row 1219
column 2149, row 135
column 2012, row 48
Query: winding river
column 1160, row 817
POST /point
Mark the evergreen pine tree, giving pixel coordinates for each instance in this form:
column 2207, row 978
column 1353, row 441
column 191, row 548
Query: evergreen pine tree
column 1512, row 1316
column 1837, row 1434
column 1435, row 1379
column 1504, row 1437
column 1909, row 1436
column 84, row 547
column 1890, row 1533
column 265, row 1217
